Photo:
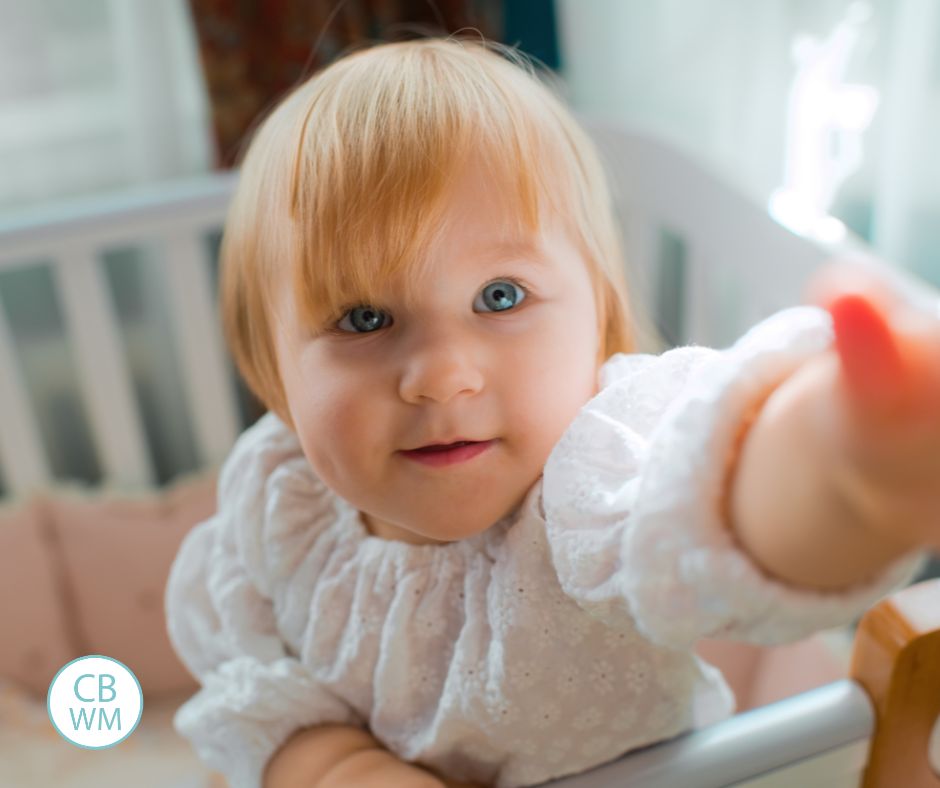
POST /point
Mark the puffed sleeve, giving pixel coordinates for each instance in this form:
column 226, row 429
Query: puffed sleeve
column 632, row 490
column 221, row 623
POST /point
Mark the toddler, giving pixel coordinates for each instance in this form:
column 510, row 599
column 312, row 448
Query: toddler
column 478, row 534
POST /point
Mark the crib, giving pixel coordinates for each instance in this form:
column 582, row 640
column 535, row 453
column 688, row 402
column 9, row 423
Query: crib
column 710, row 261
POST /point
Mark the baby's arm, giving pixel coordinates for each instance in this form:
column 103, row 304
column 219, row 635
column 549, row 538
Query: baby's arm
column 635, row 493
column 837, row 476
column 336, row 756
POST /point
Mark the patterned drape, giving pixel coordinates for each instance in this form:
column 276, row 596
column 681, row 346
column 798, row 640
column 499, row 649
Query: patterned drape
column 253, row 51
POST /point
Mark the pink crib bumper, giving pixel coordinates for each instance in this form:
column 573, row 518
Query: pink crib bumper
column 82, row 571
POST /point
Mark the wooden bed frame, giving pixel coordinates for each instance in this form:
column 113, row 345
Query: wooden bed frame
column 710, row 261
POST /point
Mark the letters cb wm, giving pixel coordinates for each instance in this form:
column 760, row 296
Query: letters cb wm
column 95, row 702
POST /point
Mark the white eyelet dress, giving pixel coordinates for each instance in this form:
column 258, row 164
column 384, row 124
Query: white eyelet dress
column 554, row 641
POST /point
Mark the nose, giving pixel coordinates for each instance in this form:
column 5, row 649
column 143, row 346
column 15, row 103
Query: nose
column 440, row 366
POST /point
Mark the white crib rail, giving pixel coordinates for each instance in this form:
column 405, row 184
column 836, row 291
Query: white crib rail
column 175, row 217
column 817, row 739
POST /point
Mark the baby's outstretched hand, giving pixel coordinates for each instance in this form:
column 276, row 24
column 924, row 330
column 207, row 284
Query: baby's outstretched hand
column 884, row 371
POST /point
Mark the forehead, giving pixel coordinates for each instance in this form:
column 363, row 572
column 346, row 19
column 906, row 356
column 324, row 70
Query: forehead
column 481, row 219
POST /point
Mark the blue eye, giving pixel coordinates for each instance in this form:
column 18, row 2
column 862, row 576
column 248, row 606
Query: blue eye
column 364, row 319
column 502, row 295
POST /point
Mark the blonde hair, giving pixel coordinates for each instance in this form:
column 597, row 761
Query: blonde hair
column 343, row 186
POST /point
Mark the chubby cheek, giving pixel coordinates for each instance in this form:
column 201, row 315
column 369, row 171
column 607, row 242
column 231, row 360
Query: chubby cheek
column 339, row 434
column 548, row 395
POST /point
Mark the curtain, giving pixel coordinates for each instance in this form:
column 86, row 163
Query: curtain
column 254, row 51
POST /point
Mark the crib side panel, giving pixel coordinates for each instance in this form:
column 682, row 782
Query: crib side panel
column 688, row 231
column 166, row 227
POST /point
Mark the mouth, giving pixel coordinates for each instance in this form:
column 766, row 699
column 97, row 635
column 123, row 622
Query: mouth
column 445, row 446
column 449, row 454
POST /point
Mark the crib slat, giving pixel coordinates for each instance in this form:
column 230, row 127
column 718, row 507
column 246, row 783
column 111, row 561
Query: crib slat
column 700, row 327
column 21, row 451
column 199, row 346
column 106, row 386
column 641, row 251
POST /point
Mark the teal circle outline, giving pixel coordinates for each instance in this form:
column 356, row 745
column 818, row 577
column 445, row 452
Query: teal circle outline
column 85, row 746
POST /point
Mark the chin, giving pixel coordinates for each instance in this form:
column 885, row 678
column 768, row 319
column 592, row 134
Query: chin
column 443, row 526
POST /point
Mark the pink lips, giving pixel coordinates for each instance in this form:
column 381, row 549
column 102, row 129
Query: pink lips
column 448, row 456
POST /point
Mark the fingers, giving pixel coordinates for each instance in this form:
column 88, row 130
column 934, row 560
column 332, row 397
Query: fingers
column 889, row 348
column 871, row 361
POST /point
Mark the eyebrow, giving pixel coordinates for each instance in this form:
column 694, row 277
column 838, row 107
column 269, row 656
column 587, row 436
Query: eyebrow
column 498, row 252
column 507, row 250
